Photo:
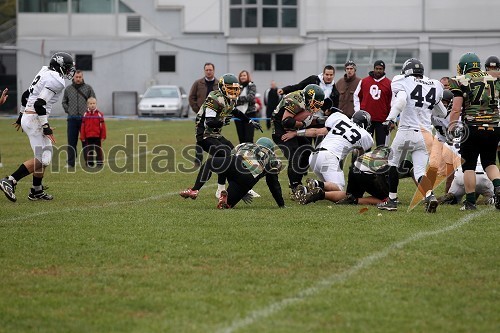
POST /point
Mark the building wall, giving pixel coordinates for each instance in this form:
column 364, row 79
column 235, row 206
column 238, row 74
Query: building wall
column 198, row 32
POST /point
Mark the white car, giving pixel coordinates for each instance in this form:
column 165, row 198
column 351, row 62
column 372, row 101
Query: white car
column 164, row 101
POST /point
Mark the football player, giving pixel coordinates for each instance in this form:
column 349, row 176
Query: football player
column 247, row 164
column 342, row 135
column 416, row 98
column 475, row 99
column 216, row 112
column 43, row 92
column 297, row 149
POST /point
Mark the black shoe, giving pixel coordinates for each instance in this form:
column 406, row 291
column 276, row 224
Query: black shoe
column 431, row 203
column 497, row 197
column 9, row 188
column 468, row 206
column 348, row 200
column 313, row 195
column 39, row 195
column 389, row 204
column 311, row 183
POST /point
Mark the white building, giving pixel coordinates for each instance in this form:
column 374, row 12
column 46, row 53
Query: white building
column 128, row 45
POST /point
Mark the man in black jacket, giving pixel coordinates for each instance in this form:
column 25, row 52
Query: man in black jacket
column 325, row 81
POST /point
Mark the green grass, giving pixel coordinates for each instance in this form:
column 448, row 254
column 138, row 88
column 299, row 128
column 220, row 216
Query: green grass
column 122, row 252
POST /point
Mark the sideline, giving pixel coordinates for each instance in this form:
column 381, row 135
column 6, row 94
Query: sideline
column 328, row 282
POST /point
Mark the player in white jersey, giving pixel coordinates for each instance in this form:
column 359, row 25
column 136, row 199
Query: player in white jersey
column 342, row 136
column 43, row 92
column 415, row 99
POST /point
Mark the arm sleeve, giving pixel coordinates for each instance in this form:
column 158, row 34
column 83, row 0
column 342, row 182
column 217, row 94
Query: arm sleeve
column 275, row 188
column 241, row 116
column 439, row 110
column 398, row 105
column 299, row 86
column 357, row 92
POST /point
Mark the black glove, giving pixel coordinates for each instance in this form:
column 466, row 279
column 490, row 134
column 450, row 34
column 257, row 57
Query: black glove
column 227, row 121
column 388, row 125
column 46, row 129
column 247, row 198
column 256, row 125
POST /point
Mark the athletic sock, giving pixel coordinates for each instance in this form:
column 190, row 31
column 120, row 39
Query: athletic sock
column 20, row 173
column 471, row 197
column 496, row 182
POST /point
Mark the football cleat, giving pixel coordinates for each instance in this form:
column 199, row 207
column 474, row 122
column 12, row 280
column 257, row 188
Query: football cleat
column 9, row 188
column 294, row 196
column 431, row 203
column 448, row 198
column 468, row 206
column 348, row 200
column 222, row 204
column 254, row 194
column 39, row 195
column 313, row 195
column 389, row 204
column 311, row 183
column 189, row 193
column 497, row 197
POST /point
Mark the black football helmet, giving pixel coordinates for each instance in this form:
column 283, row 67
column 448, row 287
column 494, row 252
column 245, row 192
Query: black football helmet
column 492, row 63
column 314, row 97
column 413, row 66
column 64, row 64
column 229, row 86
column 362, row 119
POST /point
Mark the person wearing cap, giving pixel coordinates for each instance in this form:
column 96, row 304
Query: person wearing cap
column 247, row 164
column 373, row 95
column 347, row 86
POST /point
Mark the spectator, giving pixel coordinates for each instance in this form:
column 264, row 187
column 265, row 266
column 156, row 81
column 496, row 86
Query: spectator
column 197, row 95
column 445, row 81
column 374, row 95
column 92, row 133
column 326, row 83
column 271, row 101
column 246, row 104
column 74, row 103
column 347, row 86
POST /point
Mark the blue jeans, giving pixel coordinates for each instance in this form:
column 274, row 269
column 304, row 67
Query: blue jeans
column 74, row 125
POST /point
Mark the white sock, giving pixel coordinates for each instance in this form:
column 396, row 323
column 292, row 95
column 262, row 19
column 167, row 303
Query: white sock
column 393, row 196
column 13, row 180
column 221, row 187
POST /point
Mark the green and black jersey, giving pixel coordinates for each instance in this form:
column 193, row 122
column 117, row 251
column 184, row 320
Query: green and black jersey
column 294, row 103
column 480, row 92
column 257, row 159
column 216, row 107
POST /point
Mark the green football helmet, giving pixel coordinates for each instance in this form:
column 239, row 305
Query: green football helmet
column 266, row 143
column 229, row 86
column 314, row 97
column 468, row 62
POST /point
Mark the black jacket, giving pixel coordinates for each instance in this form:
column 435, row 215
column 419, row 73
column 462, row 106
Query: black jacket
column 332, row 100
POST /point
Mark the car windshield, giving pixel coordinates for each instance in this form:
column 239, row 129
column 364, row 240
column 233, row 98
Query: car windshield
column 161, row 92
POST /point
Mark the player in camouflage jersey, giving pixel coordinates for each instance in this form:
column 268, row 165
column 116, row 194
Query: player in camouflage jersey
column 247, row 164
column 216, row 112
column 475, row 98
column 298, row 149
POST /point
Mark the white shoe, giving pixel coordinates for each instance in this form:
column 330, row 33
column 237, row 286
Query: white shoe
column 254, row 194
column 217, row 194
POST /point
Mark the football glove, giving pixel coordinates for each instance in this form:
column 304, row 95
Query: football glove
column 46, row 129
column 256, row 125
column 388, row 126
column 17, row 123
column 247, row 198
column 227, row 121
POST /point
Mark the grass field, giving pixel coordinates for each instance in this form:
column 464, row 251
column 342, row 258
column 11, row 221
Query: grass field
column 120, row 251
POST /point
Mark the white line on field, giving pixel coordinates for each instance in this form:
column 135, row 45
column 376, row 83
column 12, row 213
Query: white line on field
column 105, row 205
column 272, row 308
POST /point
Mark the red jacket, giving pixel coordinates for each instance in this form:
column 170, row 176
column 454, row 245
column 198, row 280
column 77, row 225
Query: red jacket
column 93, row 125
column 374, row 96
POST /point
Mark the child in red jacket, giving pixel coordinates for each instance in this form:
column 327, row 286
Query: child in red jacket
column 92, row 133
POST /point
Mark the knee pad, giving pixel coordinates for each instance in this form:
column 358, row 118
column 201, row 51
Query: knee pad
column 46, row 156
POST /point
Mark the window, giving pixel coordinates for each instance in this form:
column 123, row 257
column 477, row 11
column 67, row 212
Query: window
column 92, row 6
column 441, row 60
column 166, row 63
column 133, row 24
column 284, row 62
column 263, row 13
column 83, row 62
column 43, row 6
column 262, row 62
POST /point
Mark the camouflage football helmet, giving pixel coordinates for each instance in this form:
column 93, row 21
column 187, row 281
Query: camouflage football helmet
column 314, row 97
column 229, row 86
column 468, row 62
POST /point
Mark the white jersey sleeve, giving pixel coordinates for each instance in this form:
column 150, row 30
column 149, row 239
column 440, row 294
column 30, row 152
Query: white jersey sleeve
column 47, row 85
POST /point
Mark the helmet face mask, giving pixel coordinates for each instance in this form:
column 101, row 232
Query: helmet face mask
column 229, row 86
column 314, row 97
column 64, row 64
column 468, row 62
column 362, row 118
column 413, row 66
